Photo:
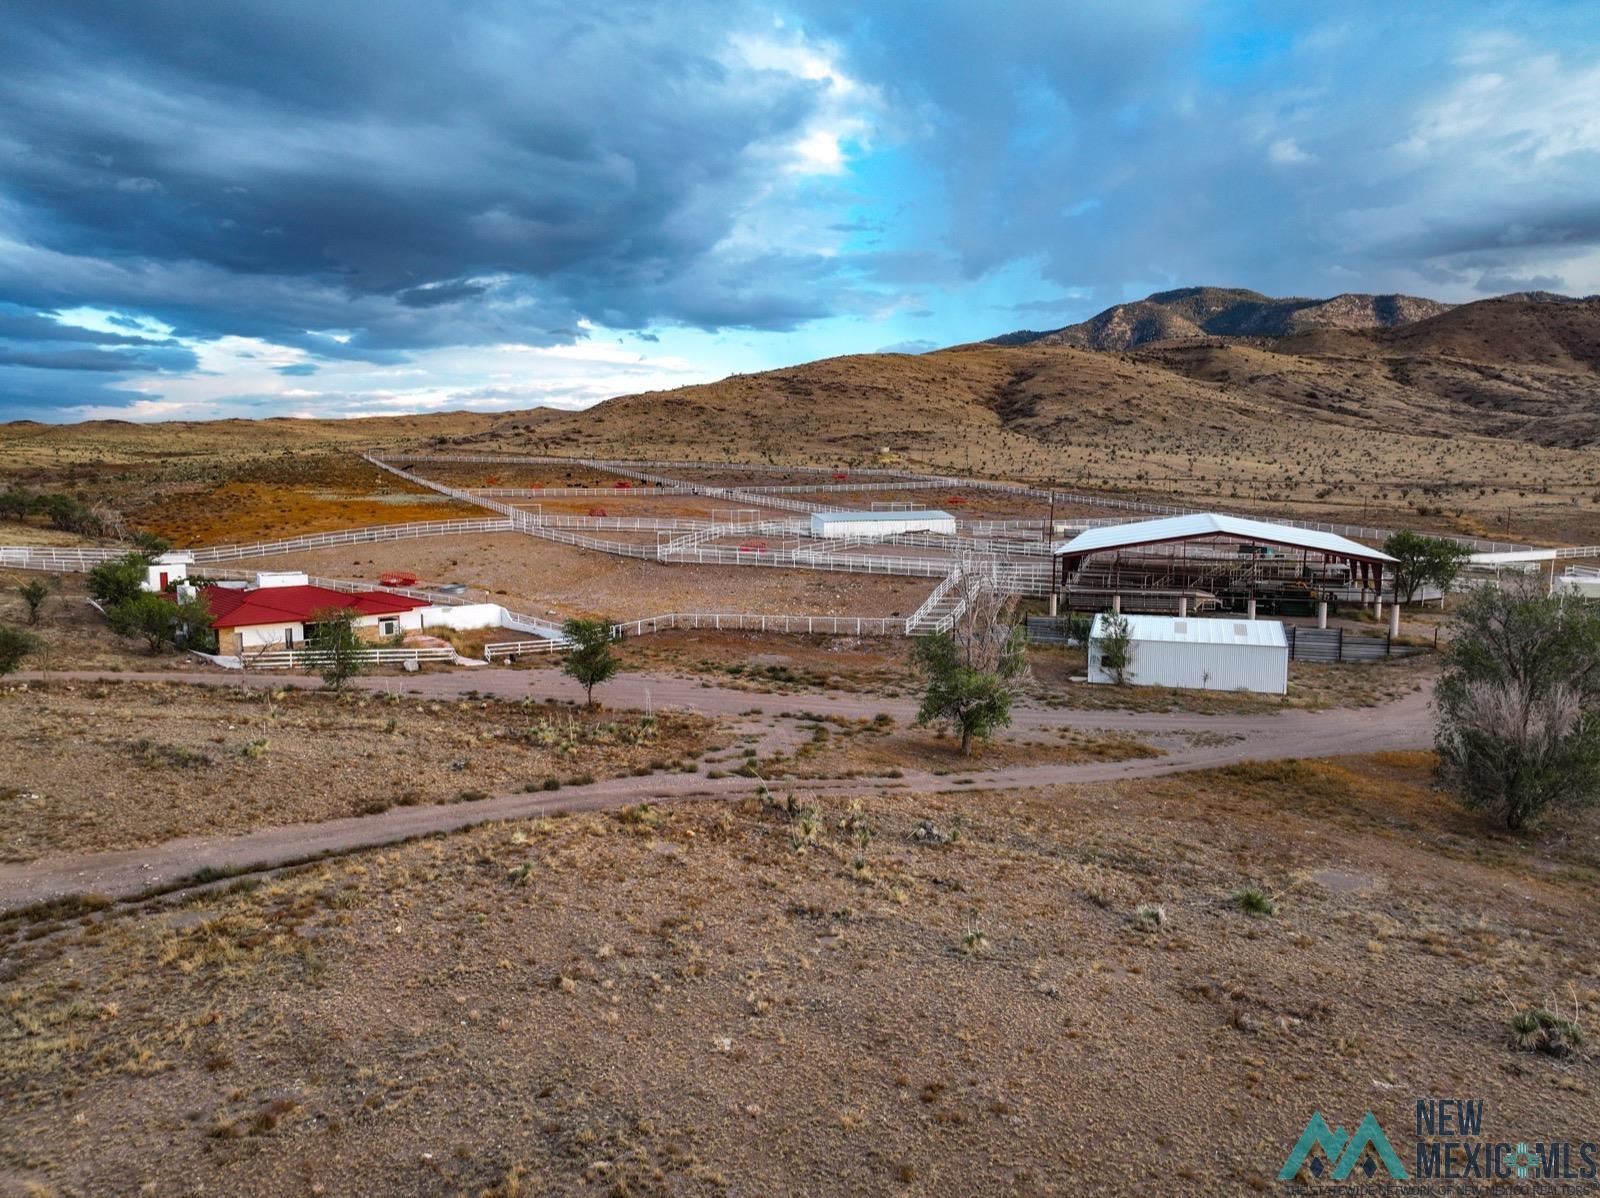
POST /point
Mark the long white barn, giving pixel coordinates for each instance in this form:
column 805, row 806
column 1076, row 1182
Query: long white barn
column 880, row 524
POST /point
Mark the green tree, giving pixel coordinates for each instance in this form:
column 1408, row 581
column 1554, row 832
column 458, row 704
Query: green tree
column 1421, row 560
column 591, row 660
column 194, row 617
column 1519, row 703
column 119, row 579
column 16, row 504
column 972, row 700
column 337, row 651
column 34, row 592
column 15, row 644
column 150, row 544
column 146, row 615
column 1116, row 646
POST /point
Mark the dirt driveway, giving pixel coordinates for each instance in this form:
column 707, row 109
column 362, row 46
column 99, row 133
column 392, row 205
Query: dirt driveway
column 1207, row 742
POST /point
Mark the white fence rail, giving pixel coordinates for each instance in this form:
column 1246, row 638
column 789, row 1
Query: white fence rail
column 630, row 468
column 295, row 659
column 352, row 536
column 761, row 622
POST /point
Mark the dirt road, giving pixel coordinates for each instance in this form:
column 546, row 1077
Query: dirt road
column 1203, row 742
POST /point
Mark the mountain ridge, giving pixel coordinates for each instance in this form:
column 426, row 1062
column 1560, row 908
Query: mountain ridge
column 1194, row 313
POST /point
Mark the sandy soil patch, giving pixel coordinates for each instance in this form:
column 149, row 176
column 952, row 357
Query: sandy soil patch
column 106, row 766
column 543, row 577
column 724, row 999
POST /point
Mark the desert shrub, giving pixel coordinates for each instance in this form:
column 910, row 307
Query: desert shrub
column 1519, row 703
column 34, row 592
column 1116, row 647
column 1537, row 1029
column 1150, row 917
column 1254, row 901
column 15, row 644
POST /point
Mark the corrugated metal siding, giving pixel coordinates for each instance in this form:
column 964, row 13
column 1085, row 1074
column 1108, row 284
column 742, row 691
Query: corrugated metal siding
column 1191, row 665
column 880, row 524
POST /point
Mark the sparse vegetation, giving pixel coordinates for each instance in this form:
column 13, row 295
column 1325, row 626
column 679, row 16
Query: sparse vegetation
column 1519, row 703
column 1254, row 901
column 15, row 644
column 34, row 592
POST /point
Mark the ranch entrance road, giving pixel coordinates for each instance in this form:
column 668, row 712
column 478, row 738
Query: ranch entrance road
column 1199, row 742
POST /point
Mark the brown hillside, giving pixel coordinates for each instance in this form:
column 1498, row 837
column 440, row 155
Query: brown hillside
column 1198, row 312
column 1348, row 424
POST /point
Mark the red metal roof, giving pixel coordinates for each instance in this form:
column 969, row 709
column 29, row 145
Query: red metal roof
column 273, row 605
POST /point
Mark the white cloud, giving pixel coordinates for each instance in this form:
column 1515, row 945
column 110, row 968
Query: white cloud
column 1286, row 151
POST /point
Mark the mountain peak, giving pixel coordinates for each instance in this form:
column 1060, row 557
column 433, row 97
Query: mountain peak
column 1196, row 312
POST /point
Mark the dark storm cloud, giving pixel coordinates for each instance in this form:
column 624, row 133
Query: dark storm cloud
column 1129, row 147
column 413, row 176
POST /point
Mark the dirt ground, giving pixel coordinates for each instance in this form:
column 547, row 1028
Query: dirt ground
column 825, row 999
column 546, row 578
column 151, row 761
column 74, row 636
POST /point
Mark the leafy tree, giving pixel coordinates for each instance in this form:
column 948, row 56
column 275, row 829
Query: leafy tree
column 973, row 670
column 145, row 615
column 15, row 644
column 1116, row 646
column 337, row 651
column 194, row 617
column 118, row 580
column 591, row 660
column 1519, row 703
column 15, row 503
column 151, row 544
column 34, row 592
column 1421, row 560
column 972, row 700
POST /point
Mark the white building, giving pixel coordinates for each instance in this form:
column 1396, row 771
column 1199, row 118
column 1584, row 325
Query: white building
column 880, row 524
column 1218, row 655
column 167, row 568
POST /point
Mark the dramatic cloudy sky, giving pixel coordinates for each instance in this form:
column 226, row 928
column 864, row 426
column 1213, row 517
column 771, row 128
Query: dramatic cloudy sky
column 338, row 207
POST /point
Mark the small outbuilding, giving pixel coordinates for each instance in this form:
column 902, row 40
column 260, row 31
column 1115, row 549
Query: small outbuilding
column 167, row 568
column 1195, row 654
column 881, row 523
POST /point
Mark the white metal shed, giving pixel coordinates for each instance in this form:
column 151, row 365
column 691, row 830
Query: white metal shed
column 880, row 524
column 1218, row 655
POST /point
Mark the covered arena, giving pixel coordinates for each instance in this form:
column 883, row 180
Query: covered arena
column 1211, row 562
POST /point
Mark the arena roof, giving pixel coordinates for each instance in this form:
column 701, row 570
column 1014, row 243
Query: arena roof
column 1211, row 524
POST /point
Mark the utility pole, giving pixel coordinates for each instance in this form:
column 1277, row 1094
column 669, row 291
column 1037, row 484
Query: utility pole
column 1050, row 527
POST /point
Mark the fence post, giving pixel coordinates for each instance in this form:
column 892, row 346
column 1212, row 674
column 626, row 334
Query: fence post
column 1339, row 644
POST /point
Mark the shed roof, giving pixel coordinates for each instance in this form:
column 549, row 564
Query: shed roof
column 1191, row 631
column 273, row 605
column 1213, row 524
column 892, row 514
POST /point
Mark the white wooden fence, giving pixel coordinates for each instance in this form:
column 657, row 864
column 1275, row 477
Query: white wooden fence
column 295, row 659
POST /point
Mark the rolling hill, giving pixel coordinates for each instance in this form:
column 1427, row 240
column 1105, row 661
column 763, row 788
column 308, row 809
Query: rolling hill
column 1198, row 312
column 1458, row 415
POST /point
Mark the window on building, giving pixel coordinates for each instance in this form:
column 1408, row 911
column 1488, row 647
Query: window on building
column 388, row 627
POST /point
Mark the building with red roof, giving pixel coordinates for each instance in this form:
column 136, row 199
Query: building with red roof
column 281, row 617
